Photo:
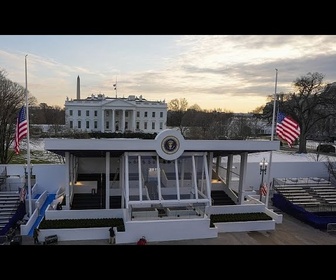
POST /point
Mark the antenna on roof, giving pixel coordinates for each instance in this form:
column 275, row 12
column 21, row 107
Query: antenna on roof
column 115, row 88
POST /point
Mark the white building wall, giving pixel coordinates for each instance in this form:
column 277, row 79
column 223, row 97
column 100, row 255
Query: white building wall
column 49, row 177
column 105, row 107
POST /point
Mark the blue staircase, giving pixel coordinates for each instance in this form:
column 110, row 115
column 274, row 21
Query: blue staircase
column 49, row 200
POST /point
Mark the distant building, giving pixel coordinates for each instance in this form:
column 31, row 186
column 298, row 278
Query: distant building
column 99, row 113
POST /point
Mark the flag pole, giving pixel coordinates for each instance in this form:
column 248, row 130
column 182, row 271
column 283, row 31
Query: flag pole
column 28, row 143
column 272, row 137
column 116, row 87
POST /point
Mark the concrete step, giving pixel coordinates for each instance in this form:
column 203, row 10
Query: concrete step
column 10, row 202
column 8, row 207
column 3, row 199
column 7, row 213
column 9, row 194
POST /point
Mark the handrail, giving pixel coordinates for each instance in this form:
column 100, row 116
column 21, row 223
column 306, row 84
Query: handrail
column 3, row 177
column 308, row 181
column 115, row 178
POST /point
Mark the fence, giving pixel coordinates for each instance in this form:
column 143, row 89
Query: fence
column 331, row 228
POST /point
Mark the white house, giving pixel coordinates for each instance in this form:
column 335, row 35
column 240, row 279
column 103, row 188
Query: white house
column 99, row 113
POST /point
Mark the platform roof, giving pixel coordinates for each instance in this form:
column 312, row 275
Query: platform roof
column 116, row 147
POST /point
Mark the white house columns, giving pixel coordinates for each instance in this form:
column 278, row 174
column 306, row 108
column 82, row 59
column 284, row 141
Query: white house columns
column 116, row 119
column 113, row 121
column 123, row 121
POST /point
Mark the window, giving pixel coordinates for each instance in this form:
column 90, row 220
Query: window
column 161, row 125
column 145, row 125
column 153, row 114
column 107, row 125
column 95, row 124
column 126, row 114
column 79, row 113
column 153, row 125
column 137, row 125
column 71, row 124
column 70, row 112
column 145, row 115
column 79, row 124
column 126, row 125
column 87, row 113
column 161, row 114
column 87, row 124
column 138, row 114
column 95, row 113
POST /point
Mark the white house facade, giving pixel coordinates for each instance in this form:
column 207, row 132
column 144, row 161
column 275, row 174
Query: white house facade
column 99, row 113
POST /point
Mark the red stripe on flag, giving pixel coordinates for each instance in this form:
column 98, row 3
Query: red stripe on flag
column 23, row 194
column 263, row 189
column 287, row 129
column 21, row 129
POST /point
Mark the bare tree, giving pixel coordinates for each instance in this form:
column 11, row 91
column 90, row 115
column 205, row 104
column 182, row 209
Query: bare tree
column 177, row 109
column 207, row 124
column 12, row 97
column 178, row 104
column 311, row 103
column 258, row 110
column 240, row 127
column 195, row 107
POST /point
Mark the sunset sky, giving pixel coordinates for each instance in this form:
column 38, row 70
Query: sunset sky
column 231, row 72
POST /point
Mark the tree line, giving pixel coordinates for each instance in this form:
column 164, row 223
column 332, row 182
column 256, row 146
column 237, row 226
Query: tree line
column 311, row 103
column 12, row 98
column 195, row 123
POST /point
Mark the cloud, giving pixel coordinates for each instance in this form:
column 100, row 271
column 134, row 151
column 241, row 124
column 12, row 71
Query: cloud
column 218, row 70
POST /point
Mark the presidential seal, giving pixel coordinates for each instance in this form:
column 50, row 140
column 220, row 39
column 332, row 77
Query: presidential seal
column 170, row 145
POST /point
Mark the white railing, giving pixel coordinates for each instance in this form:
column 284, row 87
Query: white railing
column 3, row 176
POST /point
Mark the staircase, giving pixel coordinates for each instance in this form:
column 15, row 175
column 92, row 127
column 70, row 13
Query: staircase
column 9, row 203
column 115, row 202
column 86, row 201
column 221, row 198
column 152, row 190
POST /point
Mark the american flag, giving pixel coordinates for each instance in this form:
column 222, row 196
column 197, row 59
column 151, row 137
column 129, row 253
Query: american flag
column 23, row 194
column 287, row 129
column 263, row 189
column 21, row 129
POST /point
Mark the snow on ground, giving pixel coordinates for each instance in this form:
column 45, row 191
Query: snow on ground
column 288, row 156
column 37, row 144
column 285, row 156
column 38, row 153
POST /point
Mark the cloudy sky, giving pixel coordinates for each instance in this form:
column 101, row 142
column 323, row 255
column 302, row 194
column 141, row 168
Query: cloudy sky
column 231, row 72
